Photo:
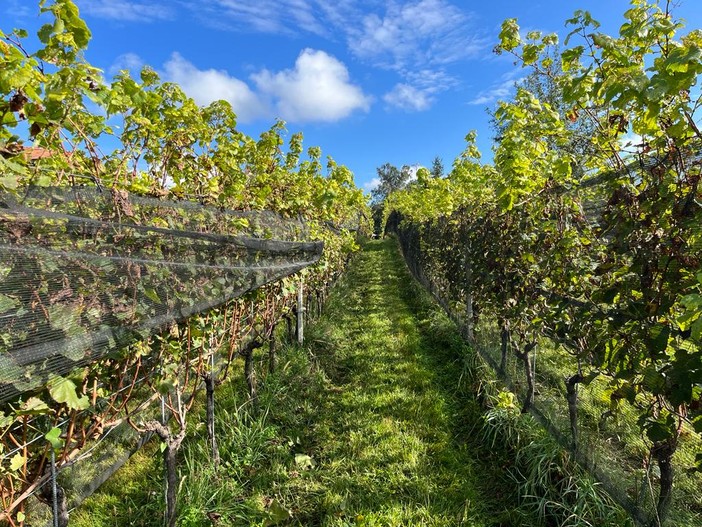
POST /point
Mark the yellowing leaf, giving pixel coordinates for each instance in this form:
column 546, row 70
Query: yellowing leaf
column 17, row 462
column 304, row 461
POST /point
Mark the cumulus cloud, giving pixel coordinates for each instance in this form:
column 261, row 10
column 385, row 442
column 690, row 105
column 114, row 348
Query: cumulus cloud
column 206, row 86
column 318, row 88
column 402, row 36
column 126, row 10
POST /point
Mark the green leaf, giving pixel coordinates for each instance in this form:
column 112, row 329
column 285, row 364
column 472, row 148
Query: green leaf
column 277, row 514
column 10, row 182
column 7, row 303
column 662, row 429
column 64, row 317
column 43, row 180
column 696, row 329
column 304, row 461
column 64, row 391
column 17, row 462
column 657, row 432
column 152, row 295
column 658, row 338
column 33, row 406
column 165, row 386
column 531, row 53
column 653, row 381
column 693, row 301
column 53, row 436
column 76, row 26
column 509, row 36
column 6, row 420
column 44, row 33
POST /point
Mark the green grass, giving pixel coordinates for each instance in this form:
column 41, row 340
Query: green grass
column 616, row 443
column 372, row 423
column 389, row 444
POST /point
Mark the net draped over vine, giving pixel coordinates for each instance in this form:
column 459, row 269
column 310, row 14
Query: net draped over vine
column 85, row 271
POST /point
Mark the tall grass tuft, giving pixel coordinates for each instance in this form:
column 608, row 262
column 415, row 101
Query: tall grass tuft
column 551, row 487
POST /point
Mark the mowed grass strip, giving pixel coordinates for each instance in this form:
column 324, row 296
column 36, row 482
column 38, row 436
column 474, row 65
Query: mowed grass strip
column 393, row 452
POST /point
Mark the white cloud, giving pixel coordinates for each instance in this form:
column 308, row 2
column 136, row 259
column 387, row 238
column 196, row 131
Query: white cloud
column 393, row 34
column 407, row 97
column 412, row 170
column 126, row 10
column 206, row 86
column 437, row 80
column 127, row 61
column 419, row 91
column 266, row 16
column 403, row 36
column 496, row 92
column 372, row 184
column 415, row 34
column 318, row 88
column 632, row 143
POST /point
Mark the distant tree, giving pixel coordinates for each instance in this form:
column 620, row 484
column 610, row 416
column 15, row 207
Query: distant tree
column 437, row 168
column 391, row 179
column 407, row 172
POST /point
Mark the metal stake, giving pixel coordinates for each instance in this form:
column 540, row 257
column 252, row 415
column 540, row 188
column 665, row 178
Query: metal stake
column 54, row 489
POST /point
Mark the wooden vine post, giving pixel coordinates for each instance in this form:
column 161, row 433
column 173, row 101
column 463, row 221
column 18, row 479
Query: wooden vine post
column 467, row 266
column 572, row 398
column 272, row 350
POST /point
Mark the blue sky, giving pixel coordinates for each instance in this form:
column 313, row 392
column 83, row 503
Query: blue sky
column 368, row 81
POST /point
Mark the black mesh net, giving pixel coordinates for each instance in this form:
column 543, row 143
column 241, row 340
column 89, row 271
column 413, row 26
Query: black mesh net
column 83, row 272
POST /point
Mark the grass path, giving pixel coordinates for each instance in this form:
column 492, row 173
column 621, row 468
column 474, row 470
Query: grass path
column 391, row 441
column 371, row 423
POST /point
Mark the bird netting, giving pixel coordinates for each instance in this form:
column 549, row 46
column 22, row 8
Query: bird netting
column 83, row 272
